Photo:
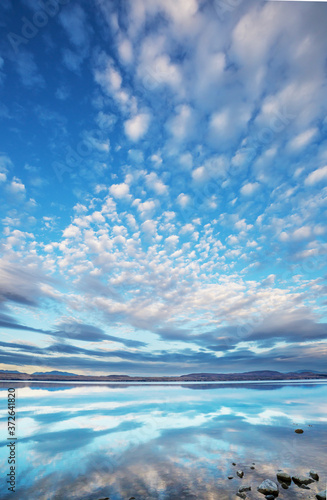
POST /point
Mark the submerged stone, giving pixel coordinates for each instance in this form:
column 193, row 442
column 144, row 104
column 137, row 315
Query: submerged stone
column 314, row 475
column 268, row 487
column 302, row 480
column 283, row 477
column 244, row 488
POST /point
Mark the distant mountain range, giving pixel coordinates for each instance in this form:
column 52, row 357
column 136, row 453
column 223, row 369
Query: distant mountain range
column 66, row 374
column 192, row 377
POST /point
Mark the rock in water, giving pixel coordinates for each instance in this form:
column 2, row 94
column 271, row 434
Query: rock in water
column 283, row 477
column 302, row 480
column 321, row 495
column 299, row 431
column 314, row 475
column 284, row 486
column 230, row 477
column 244, row 488
column 269, row 497
column 241, row 495
column 268, row 487
column 240, row 473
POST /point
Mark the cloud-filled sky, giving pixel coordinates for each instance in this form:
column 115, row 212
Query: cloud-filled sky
column 163, row 178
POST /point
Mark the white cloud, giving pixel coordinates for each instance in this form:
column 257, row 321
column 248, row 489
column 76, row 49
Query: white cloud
column 156, row 184
column 125, row 50
column 136, row 127
column 303, row 139
column 119, row 190
column 105, row 120
column 182, row 124
column 302, row 233
column 72, row 232
column 3, row 177
column 227, row 124
column 241, row 225
column 109, row 78
column 316, row 176
column 187, row 228
column 145, row 208
column 149, row 227
column 183, row 200
column 16, row 186
column 232, row 240
column 172, row 240
column 199, row 174
column 249, row 188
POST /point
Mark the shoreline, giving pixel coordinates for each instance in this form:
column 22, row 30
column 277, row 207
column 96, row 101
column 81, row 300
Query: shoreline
column 173, row 383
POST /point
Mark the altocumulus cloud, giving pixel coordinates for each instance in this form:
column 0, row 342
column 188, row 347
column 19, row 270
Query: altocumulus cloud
column 186, row 230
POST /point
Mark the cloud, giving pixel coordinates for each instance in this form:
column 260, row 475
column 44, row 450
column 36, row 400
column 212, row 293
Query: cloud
column 316, row 176
column 153, row 182
column 136, row 127
column 125, row 50
column 200, row 132
column 22, row 284
column 75, row 330
column 72, row 232
column 119, row 190
column 303, row 139
column 28, row 70
column 183, row 199
column 182, row 125
column 249, row 188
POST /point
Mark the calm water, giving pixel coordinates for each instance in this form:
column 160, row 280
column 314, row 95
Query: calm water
column 163, row 442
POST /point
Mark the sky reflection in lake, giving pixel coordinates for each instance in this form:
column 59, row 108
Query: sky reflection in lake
column 163, row 442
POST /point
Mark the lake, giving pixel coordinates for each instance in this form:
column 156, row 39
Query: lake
column 160, row 441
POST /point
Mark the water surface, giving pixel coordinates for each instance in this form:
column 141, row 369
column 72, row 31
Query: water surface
column 163, row 441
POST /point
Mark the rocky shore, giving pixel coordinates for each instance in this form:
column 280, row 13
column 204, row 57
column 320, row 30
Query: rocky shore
column 271, row 488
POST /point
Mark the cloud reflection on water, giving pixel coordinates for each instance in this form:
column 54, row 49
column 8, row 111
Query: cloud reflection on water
column 164, row 443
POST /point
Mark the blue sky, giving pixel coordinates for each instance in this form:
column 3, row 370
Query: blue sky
column 163, row 177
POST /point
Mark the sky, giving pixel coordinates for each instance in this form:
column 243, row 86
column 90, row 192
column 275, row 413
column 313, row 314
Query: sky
column 163, row 178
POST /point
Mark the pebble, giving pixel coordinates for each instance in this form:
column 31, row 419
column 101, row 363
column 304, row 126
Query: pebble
column 268, row 487
column 302, row 480
column 244, row 488
column 283, row 477
column 314, row 475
